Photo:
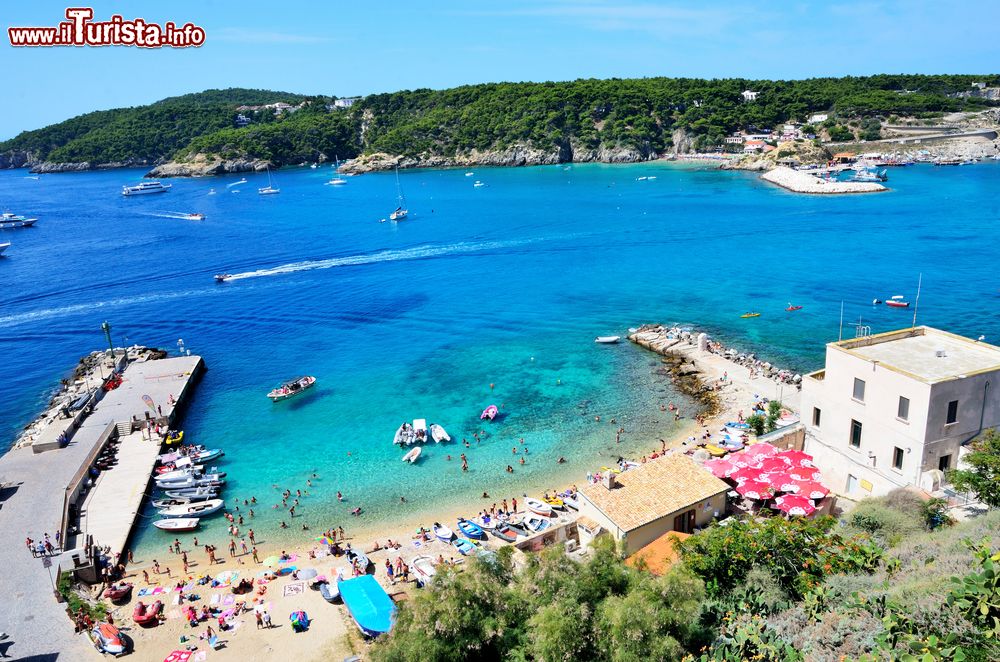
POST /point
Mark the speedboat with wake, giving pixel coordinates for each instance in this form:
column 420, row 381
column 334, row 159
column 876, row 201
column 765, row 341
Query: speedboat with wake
column 222, row 278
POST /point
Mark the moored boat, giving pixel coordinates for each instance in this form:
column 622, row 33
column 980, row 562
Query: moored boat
column 177, row 524
column 193, row 493
column 438, row 433
column 401, row 212
column 195, row 509
column 147, row 614
column 412, row 455
column 897, row 302
column 442, row 532
column 109, row 639
column 291, row 388
column 555, row 502
column 489, row 413
column 423, row 569
column 145, row 188
column 470, row 529
column 538, row 507
column 504, row 532
column 607, row 340
column 463, row 546
column 330, row 591
column 370, row 606
column 535, row 523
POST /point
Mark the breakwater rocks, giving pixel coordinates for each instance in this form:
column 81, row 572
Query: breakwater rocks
column 202, row 165
column 680, row 368
column 803, row 182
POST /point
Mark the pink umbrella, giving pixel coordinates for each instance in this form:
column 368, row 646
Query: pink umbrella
column 794, row 504
column 761, row 450
column 747, row 474
column 804, row 474
column 782, row 481
column 798, row 458
column 741, row 460
column 719, row 467
column 769, row 464
column 812, row 490
column 755, row 489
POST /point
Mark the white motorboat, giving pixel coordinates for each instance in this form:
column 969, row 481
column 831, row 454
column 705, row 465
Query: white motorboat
column 538, row 507
column 269, row 189
column 197, row 509
column 4, row 246
column 194, row 217
column 170, row 502
column 404, row 435
column 535, row 523
column 420, row 429
column 438, row 433
column 9, row 220
column 208, row 480
column 469, row 174
column 177, row 524
column 607, row 340
column 291, row 388
column 146, row 188
column 180, row 472
column 479, row 184
column 442, row 532
column 193, row 493
column 412, row 455
column 400, row 212
column 423, row 568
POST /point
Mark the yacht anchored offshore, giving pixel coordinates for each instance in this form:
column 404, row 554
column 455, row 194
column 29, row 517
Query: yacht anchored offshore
column 145, row 187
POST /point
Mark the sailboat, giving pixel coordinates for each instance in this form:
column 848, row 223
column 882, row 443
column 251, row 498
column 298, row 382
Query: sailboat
column 337, row 179
column 268, row 190
column 400, row 213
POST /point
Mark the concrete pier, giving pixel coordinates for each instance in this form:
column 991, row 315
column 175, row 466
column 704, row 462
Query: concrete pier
column 40, row 490
column 803, row 182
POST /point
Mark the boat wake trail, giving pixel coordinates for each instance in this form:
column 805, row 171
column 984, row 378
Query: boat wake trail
column 415, row 253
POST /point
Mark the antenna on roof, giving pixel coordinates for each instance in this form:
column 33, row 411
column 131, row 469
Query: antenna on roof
column 916, row 303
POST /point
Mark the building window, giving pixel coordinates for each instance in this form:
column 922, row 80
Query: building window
column 897, row 458
column 855, row 434
column 859, row 389
column 816, row 416
column 952, row 413
column 903, row 411
column 944, row 462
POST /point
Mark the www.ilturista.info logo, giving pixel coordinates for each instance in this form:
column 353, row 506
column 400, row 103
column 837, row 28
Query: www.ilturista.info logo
column 81, row 30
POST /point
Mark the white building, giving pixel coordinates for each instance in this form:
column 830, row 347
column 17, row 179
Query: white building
column 896, row 409
column 736, row 139
column 818, row 117
column 749, row 95
column 344, row 103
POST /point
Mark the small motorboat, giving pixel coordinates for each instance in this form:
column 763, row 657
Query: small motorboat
column 404, row 435
column 438, row 433
column 193, row 493
column 442, row 532
column 160, row 504
column 194, row 217
column 420, row 431
column 412, row 455
column 197, row 509
column 463, row 546
column 177, row 524
column 4, row 246
column 571, row 501
column 174, row 437
column 555, row 502
column 118, row 592
column 489, row 413
column 469, row 174
column 607, row 340
column 109, row 639
column 167, row 474
column 897, row 302
column 423, row 569
column 479, row 184
column 470, row 529
column 792, row 308
column 504, row 532
column 748, row 315
column 207, row 455
column 360, row 560
column 144, row 614
column 538, row 507
column 291, row 388
column 534, row 523
column 876, row 302
column 206, row 480
column 222, row 278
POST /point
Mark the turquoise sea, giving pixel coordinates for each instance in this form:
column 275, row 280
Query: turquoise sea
column 504, row 285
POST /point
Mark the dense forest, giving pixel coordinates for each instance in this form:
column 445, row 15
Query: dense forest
column 646, row 115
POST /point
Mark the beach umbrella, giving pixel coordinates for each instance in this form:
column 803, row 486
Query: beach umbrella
column 782, row 481
column 324, row 540
column 755, row 489
column 798, row 458
column 746, row 474
column 803, row 474
column 720, row 467
column 741, row 460
column 274, row 559
column 795, row 504
column 761, row 450
column 307, row 573
column 812, row 490
column 772, row 464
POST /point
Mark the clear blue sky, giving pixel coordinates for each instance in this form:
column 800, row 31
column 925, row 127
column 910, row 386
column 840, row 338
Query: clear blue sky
column 346, row 48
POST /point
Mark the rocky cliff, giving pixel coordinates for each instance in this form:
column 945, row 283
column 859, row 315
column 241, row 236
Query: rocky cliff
column 16, row 159
column 802, row 152
column 202, row 165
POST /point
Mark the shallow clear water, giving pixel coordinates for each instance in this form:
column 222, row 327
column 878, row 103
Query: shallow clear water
column 505, row 285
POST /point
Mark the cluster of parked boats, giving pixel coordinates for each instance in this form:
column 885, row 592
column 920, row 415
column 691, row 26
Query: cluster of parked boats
column 419, row 432
column 188, row 491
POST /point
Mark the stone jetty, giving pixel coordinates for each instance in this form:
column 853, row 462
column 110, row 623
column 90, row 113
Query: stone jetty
column 802, row 182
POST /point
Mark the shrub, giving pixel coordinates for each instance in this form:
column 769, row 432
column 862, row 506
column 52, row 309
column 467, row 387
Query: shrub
column 887, row 524
column 756, row 423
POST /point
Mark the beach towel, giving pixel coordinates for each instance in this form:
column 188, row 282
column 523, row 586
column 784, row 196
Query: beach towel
column 178, row 656
column 174, row 613
column 144, row 591
column 291, row 558
column 158, row 590
column 215, row 599
column 294, row 589
column 177, row 599
column 229, row 600
column 200, row 656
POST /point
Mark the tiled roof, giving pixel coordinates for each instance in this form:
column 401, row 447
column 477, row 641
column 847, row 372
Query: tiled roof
column 653, row 490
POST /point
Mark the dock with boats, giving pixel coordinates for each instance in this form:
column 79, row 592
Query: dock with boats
column 800, row 181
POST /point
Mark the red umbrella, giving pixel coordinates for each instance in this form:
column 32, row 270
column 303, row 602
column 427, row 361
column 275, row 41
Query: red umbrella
column 719, row 467
column 794, row 504
column 755, row 489
column 782, row 481
column 747, row 474
column 804, row 474
column 761, row 449
column 812, row 490
column 798, row 458
column 741, row 460
column 770, row 464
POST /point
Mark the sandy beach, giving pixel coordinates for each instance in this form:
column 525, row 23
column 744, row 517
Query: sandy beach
column 332, row 633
